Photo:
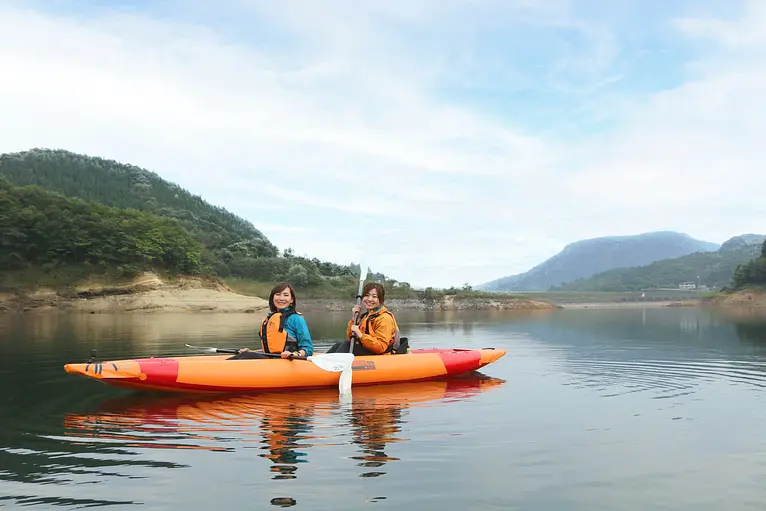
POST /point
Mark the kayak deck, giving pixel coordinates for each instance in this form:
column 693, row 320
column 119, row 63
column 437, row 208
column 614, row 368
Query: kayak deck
column 215, row 373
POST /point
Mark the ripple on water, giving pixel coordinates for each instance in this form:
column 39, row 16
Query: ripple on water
column 665, row 378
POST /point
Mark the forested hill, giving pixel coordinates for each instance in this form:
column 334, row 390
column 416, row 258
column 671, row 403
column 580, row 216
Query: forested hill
column 584, row 258
column 714, row 269
column 228, row 245
column 46, row 231
column 753, row 273
column 126, row 186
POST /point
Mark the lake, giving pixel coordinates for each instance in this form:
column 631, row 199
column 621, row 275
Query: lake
column 633, row 409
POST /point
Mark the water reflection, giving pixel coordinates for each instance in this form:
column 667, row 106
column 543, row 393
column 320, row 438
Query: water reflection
column 664, row 352
column 754, row 332
column 591, row 389
column 289, row 428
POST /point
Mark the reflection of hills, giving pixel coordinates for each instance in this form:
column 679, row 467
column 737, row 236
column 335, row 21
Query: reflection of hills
column 668, row 351
column 668, row 333
column 753, row 332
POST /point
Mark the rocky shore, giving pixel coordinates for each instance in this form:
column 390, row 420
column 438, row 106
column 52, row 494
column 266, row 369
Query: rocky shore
column 755, row 298
column 147, row 293
column 150, row 293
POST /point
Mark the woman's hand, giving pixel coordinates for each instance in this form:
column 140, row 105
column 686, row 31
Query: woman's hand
column 243, row 350
column 288, row 354
column 355, row 329
column 357, row 309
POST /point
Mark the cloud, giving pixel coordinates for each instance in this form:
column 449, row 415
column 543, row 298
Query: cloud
column 447, row 142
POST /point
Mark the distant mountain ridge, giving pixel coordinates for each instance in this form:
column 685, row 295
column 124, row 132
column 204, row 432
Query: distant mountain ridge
column 585, row 258
column 711, row 269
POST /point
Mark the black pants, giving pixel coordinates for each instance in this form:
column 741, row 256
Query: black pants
column 342, row 347
column 248, row 354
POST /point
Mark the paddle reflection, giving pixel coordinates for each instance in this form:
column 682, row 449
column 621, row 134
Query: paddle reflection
column 284, row 426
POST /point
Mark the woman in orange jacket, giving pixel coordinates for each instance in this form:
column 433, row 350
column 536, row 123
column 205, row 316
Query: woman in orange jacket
column 376, row 331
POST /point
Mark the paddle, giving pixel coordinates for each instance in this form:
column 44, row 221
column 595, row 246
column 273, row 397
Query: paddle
column 333, row 362
column 344, row 383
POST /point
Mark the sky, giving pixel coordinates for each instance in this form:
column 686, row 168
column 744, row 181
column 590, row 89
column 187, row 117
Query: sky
column 440, row 142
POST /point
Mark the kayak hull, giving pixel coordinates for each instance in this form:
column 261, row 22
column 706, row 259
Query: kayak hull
column 215, row 373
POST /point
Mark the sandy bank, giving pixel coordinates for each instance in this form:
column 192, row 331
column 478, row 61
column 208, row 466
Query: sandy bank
column 755, row 298
column 147, row 293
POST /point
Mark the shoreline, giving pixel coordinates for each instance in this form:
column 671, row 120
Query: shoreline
column 149, row 293
column 146, row 294
column 447, row 303
column 659, row 304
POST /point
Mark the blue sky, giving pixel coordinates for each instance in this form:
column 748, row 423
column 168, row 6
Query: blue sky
column 442, row 142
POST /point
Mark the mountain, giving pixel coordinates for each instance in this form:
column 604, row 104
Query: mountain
column 588, row 257
column 230, row 246
column 713, row 269
column 743, row 240
column 127, row 186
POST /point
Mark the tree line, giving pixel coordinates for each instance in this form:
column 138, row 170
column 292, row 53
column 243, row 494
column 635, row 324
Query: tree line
column 227, row 246
column 47, row 230
column 752, row 273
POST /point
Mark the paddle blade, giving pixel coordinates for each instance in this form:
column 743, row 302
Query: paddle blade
column 333, row 362
column 211, row 349
column 344, row 384
column 203, row 349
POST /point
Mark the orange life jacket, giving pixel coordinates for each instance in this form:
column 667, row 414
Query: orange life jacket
column 274, row 337
column 395, row 346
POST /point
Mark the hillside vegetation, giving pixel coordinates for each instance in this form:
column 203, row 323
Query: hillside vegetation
column 753, row 273
column 65, row 217
column 115, row 219
column 45, row 231
column 588, row 257
column 223, row 235
column 714, row 269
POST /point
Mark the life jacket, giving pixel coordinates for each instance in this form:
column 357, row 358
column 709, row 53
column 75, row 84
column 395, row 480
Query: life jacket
column 399, row 344
column 274, row 337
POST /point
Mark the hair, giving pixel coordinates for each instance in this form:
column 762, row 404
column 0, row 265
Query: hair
column 278, row 289
column 377, row 287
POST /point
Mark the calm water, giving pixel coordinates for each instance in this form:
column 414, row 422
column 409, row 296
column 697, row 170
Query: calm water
column 590, row 409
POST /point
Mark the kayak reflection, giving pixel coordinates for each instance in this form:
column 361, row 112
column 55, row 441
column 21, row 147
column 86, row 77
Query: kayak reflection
column 283, row 425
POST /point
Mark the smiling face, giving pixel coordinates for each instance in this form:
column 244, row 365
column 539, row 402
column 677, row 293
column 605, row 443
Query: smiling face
column 281, row 296
column 371, row 299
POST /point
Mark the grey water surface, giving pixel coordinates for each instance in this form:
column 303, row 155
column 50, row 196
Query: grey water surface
column 628, row 409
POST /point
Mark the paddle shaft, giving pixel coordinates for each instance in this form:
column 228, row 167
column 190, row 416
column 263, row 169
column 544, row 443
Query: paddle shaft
column 271, row 355
column 362, row 275
column 278, row 355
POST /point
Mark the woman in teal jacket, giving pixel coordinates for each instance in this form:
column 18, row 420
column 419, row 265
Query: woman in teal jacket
column 284, row 330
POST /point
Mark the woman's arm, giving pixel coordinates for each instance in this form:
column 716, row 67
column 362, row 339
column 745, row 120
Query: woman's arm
column 302, row 334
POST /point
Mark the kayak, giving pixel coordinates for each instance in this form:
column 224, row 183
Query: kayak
column 215, row 373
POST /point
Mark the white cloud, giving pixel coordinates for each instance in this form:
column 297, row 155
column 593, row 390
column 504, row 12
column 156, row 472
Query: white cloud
column 316, row 122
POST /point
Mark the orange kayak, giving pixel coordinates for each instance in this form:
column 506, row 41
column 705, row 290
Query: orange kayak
column 216, row 373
